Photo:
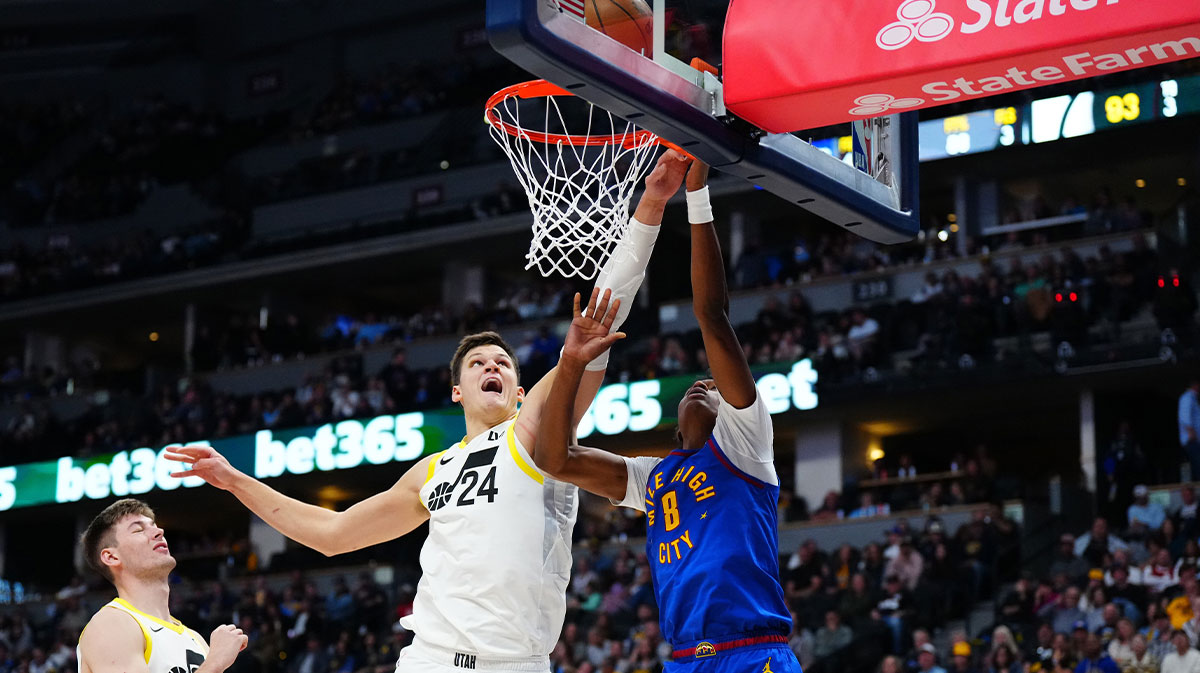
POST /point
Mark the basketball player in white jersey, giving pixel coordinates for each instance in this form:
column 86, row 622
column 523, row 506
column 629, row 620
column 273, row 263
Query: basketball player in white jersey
column 498, row 557
column 135, row 633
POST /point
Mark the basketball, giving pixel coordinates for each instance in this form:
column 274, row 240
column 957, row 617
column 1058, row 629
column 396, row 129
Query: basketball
column 630, row 22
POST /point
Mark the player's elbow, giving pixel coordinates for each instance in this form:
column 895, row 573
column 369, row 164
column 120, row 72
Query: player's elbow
column 549, row 460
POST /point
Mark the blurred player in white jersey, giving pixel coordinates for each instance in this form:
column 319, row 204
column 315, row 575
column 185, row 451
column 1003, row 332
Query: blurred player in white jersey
column 135, row 632
column 498, row 557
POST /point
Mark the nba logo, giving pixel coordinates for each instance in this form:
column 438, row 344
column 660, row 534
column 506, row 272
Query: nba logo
column 705, row 649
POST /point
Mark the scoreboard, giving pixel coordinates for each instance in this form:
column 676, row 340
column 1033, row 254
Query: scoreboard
column 1050, row 119
column 1047, row 119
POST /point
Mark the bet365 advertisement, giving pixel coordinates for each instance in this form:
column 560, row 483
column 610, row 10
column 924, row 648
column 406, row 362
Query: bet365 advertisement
column 395, row 438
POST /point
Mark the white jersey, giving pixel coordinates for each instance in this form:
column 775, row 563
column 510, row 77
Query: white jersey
column 171, row 647
column 497, row 560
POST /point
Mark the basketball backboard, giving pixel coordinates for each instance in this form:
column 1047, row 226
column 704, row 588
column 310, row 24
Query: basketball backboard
column 659, row 91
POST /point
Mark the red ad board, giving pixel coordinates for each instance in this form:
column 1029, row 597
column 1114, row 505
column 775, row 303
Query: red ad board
column 791, row 65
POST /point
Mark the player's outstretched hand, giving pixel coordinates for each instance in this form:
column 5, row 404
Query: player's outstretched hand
column 223, row 646
column 697, row 176
column 205, row 463
column 588, row 335
column 664, row 180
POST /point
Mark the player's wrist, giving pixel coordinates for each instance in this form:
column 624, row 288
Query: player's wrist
column 699, row 205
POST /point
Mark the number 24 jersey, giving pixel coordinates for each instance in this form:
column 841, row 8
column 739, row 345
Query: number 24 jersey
column 497, row 560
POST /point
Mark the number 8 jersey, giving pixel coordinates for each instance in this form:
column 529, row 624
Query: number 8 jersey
column 497, row 560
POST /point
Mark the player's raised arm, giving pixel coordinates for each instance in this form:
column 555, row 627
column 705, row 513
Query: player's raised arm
column 710, row 298
column 382, row 517
column 623, row 275
column 557, row 452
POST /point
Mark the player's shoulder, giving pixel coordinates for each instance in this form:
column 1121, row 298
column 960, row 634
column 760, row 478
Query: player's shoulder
column 109, row 627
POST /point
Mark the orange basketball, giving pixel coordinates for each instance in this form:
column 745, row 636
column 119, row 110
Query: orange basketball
column 630, row 22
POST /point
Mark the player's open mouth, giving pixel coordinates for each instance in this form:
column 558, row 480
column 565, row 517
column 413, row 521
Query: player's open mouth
column 161, row 546
column 697, row 391
column 492, row 384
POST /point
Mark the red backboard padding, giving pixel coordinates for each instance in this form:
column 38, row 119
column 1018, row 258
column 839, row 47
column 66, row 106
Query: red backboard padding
column 798, row 64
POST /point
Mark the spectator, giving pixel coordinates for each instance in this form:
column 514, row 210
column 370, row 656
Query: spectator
column 960, row 659
column 1159, row 572
column 927, row 660
column 1184, row 659
column 1145, row 517
column 1001, row 660
column 1066, row 561
column 1094, row 545
column 907, row 565
column 1185, row 516
column 1141, row 661
column 1123, row 464
column 831, row 637
column 893, row 607
column 1065, row 613
column 1120, row 648
column 1095, row 659
column 1189, row 425
column 1131, row 597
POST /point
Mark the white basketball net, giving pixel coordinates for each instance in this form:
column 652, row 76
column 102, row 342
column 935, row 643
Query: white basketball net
column 579, row 193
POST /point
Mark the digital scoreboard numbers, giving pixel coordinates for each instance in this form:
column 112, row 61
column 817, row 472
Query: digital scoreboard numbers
column 1146, row 102
column 1135, row 104
column 970, row 133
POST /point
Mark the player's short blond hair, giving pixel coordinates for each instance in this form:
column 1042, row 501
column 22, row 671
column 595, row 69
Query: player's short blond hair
column 100, row 535
column 472, row 341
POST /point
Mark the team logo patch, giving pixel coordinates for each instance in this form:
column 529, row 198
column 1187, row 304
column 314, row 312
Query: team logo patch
column 705, row 649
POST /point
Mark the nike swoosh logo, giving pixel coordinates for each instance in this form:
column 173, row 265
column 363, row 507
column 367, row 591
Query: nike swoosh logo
column 445, row 460
column 156, row 630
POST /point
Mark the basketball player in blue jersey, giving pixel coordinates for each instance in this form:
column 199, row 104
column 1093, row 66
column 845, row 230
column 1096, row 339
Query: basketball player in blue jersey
column 495, row 565
column 135, row 632
column 711, row 505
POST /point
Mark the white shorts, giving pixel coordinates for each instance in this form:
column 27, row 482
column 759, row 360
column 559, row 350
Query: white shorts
column 421, row 656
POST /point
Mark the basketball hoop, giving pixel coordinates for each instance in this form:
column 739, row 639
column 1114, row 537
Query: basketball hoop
column 579, row 165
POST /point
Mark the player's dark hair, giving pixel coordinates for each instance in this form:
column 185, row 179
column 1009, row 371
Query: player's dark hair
column 472, row 341
column 99, row 534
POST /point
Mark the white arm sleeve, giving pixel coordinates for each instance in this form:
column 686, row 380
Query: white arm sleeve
column 638, row 471
column 624, row 273
column 626, row 267
column 746, row 436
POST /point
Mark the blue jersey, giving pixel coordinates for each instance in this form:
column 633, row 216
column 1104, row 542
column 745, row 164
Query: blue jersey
column 712, row 538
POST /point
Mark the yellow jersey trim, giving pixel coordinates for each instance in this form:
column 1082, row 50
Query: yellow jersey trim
column 433, row 461
column 516, row 455
column 175, row 625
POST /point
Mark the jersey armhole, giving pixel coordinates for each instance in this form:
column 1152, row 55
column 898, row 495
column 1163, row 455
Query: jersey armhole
column 523, row 460
column 433, row 461
column 145, row 632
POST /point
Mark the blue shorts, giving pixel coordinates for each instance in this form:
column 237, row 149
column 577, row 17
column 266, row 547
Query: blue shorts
column 766, row 658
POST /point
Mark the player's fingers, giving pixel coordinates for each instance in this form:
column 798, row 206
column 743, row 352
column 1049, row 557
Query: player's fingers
column 613, row 338
column 194, row 452
column 602, row 307
column 592, row 301
column 612, row 314
column 185, row 473
column 575, row 312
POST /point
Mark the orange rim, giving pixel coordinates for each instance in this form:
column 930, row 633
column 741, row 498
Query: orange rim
column 540, row 88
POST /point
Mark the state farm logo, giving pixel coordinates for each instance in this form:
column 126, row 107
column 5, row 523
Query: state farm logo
column 916, row 21
column 874, row 104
